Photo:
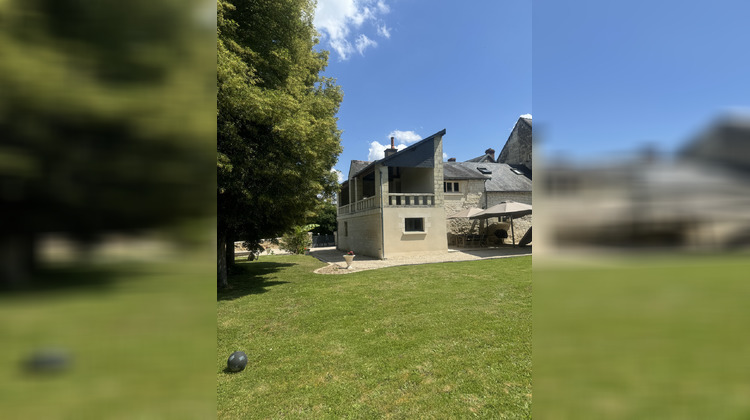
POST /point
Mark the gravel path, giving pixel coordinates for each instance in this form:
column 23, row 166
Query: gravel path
column 337, row 265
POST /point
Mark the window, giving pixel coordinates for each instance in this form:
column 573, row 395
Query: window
column 450, row 187
column 484, row 170
column 414, row 224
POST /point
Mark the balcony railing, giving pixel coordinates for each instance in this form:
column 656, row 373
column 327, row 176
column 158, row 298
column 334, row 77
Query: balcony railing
column 400, row 199
column 413, row 199
column 364, row 204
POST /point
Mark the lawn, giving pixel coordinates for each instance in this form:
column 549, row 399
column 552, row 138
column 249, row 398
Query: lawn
column 657, row 337
column 138, row 338
column 446, row 340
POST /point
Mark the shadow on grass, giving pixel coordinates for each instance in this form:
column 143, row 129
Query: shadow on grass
column 251, row 279
column 68, row 279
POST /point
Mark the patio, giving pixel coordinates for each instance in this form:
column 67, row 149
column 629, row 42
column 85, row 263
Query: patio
column 335, row 258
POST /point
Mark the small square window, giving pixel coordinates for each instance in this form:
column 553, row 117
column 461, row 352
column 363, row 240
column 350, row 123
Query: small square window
column 450, row 187
column 414, row 224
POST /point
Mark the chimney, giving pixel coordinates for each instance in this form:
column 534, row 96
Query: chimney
column 452, row 160
column 392, row 150
column 490, row 152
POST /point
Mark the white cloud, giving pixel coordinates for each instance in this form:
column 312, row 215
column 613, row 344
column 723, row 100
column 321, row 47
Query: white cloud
column 384, row 31
column 339, row 174
column 526, row 116
column 445, row 157
column 377, row 150
column 401, row 140
column 363, row 42
column 342, row 47
column 382, row 7
column 404, row 137
column 337, row 19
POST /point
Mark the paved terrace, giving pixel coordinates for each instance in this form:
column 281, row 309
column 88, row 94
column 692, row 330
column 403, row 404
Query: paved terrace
column 337, row 265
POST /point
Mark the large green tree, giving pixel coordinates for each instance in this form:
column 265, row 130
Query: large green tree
column 106, row 120
column 276, row 116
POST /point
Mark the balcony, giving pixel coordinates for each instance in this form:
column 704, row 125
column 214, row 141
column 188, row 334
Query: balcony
column 361, row 205
column 411, row 199
column 394, row 200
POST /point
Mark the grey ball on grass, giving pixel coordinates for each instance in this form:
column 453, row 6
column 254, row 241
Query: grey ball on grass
column 237, row 361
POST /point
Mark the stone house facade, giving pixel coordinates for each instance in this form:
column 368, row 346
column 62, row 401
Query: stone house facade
column 399, row 204
column 395, row 205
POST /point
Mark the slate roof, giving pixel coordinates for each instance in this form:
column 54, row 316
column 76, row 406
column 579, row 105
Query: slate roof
column 418, row 155
column 502, row 178
column 358, row 165
column 483, row 158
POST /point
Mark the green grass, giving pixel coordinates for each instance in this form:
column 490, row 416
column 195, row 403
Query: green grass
column 430, row 341
column 643, row 338
column 140, row 337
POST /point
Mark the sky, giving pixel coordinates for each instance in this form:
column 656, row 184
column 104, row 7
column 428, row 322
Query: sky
column 410, row 68
column 612, row 76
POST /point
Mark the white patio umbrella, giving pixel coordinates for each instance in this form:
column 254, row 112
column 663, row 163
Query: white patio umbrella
column 505, row 208
column 465, row 213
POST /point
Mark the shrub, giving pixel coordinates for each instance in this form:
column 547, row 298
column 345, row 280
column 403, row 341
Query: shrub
column 297, row 240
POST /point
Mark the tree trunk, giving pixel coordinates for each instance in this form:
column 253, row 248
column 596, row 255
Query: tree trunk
column 221, row 255
column 17, row 260
column 230, row 252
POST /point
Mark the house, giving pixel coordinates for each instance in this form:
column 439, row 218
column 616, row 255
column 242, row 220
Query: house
column 395, row 205
column 399, row 204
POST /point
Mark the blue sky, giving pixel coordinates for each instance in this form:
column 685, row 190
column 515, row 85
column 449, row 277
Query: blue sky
column 611, row 76
column 410, row 68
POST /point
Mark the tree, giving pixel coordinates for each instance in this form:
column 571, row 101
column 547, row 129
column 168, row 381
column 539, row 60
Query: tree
column 325, row 218
column 277, row 137
column 104, row 127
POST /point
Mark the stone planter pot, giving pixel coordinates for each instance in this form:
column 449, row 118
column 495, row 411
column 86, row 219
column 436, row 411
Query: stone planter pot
column 348, row 259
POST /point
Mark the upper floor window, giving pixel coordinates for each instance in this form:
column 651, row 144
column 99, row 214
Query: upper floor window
column 450, row 187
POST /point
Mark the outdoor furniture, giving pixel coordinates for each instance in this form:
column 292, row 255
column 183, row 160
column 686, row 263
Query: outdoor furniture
column 473, row 240
column 505, row 209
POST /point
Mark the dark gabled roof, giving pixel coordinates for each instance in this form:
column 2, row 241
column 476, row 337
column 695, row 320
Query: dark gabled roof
column 502, row 178
column 418, row 155
column 410, row 156
column 462, row 170
column 483, row 158
column 525, row 171
column 356, row 166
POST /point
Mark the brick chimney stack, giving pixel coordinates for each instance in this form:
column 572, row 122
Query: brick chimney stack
column 452, row 160
column 490, row 152
column 392, row 150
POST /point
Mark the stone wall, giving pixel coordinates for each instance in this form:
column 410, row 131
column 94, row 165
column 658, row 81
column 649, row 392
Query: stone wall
column 472, row 195
column 517, row 150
